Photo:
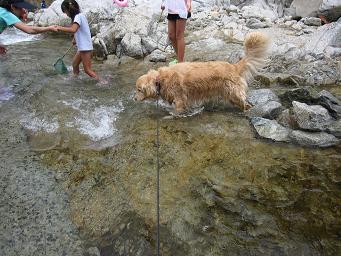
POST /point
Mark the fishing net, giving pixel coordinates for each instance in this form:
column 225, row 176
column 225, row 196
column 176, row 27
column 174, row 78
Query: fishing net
column 60, row 66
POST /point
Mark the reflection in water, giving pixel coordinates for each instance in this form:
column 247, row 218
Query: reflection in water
column 5, row 93
column 223, row 191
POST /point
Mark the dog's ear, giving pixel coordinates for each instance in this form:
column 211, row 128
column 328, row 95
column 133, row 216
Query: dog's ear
column 149, row 87
column 153, row 75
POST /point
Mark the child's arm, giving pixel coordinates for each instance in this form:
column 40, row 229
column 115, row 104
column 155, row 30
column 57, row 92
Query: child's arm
column 33, row 29
column 72, row 29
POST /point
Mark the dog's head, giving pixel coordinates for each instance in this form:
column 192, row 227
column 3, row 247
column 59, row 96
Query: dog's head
column 146, row 86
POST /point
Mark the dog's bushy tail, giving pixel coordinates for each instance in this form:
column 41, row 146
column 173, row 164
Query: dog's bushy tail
column 256, row 45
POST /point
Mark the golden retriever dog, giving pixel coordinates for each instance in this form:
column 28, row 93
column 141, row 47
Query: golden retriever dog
column 188, row 83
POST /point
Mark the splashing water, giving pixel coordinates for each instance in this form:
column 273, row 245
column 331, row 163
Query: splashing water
column 12, row 36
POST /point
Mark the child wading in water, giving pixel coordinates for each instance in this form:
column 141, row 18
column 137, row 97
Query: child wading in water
column 82, row 36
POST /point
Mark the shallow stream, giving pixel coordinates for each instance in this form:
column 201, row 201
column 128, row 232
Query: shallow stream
column 85, row 154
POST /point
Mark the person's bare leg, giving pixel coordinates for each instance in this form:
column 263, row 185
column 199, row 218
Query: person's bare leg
column 172, row 34
column 86, row 60
column 180, row 39
column 75, row 63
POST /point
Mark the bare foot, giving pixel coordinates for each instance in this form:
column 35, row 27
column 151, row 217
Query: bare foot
column 102, row 82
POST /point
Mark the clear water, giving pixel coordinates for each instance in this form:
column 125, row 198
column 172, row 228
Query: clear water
column 223, row 191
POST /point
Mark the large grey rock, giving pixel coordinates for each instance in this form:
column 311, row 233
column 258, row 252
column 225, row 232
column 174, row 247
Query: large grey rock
column 283, row 48
column 276, row 6
column 157, row 56
column 100, row 49
column 333, row 52
column 330, row 9
column 319, row 139
column 149, row 44
column 335, row 128
column 305, row 95
column 270, row 129
column 312, row 21
column 131, row 44
column 327, row 100
column 306, row 8
column 270, row 110
column 315, row 118
column 256, row 23
column 279, row 79
column 327, row 35
column 106, row 40
column 287, row 119
column 54, row 14
column 111, row 33
column 261, row 96
column 260, row 13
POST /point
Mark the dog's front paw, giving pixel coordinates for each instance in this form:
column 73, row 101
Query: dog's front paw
column 247, row 106
column 167, row 117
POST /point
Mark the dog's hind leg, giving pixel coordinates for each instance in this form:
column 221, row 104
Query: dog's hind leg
column 240, row 101
column 237, row 97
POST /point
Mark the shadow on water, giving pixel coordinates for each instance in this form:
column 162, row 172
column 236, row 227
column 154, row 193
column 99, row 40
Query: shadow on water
column 223, row 191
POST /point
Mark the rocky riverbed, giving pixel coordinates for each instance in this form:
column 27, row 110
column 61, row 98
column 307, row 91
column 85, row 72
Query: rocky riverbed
column 78, row 169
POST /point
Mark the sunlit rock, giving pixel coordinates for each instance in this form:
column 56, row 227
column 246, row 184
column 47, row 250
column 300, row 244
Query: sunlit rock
column 315, row 117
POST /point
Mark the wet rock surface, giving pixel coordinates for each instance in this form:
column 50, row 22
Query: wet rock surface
column 34, row 208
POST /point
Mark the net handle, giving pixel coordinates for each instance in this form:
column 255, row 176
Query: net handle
column 67, row 51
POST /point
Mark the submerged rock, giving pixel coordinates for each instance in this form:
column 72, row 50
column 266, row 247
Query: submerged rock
column 270, row 110
column 93, row 251
column 270, row 129
column 319, row 139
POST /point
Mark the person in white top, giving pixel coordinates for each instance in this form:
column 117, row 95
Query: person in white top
column 82, row 37
column 178, row 13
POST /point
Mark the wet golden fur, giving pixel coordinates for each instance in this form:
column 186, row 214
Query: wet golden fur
column 190, row 82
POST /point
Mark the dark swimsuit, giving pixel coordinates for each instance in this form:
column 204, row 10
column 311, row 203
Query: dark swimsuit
column 172, row 16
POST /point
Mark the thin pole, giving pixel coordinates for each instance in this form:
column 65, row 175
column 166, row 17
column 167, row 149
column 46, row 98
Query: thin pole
column 158, row 177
